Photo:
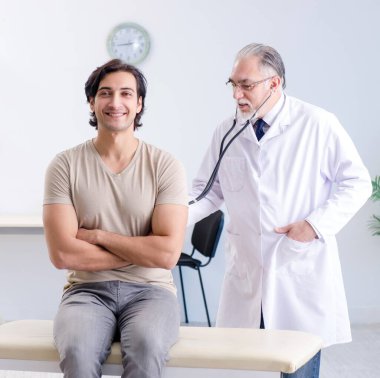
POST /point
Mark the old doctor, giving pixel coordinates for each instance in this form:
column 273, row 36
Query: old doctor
column 276, row 180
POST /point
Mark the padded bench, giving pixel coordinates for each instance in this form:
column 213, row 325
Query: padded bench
column 27, row 345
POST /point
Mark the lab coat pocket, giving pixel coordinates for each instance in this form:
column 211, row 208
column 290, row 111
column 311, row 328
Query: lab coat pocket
column 296, row 257
column 233, row 173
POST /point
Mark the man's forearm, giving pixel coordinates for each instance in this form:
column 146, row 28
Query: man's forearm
column 160, row 249
column 66, row 250
column 149, row 251
column 80, row 255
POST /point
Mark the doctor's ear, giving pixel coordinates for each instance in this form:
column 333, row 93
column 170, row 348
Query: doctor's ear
column 275, row 83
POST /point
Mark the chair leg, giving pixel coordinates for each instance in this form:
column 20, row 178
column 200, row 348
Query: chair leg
column 183, row 295
column 204, row 297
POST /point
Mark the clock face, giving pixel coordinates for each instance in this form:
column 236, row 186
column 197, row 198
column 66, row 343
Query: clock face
column 129, row 42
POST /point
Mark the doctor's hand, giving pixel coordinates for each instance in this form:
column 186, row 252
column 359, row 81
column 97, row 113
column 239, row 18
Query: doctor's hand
column 300, row 231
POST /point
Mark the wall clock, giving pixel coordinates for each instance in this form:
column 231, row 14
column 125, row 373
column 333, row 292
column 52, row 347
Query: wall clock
column 129, row 42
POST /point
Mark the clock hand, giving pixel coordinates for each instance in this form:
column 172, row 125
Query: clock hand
column 126, row 44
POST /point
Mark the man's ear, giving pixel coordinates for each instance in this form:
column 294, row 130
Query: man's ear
column 92, row 103
column 139, row 105
column 275, row 83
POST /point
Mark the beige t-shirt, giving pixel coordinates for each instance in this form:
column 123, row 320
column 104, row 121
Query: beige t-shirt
column 121, row 203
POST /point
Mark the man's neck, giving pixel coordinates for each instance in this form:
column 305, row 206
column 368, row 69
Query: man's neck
column 276, row 107
column 272, row 101
column 116, row 148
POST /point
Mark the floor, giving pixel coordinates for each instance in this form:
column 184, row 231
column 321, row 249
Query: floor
column 359, row 359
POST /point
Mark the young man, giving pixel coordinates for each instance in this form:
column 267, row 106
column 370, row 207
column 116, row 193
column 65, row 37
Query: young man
column 290, row 182
column 115, row 212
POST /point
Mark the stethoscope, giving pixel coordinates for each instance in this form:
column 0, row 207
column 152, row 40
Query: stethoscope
column 223, row 149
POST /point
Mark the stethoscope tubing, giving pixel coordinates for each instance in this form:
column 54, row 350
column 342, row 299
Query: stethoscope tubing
column 223, row 150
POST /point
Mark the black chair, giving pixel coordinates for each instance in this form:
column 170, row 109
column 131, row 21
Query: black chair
column 204, row 239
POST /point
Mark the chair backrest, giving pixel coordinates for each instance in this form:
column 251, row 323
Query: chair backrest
column 206, row 234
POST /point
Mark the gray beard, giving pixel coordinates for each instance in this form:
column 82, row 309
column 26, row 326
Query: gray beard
column 242, row 118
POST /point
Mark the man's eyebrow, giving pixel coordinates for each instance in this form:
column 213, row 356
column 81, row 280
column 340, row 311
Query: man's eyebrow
column 230, row 80
column 244, row 81
column 110, row 89
column 127, row 88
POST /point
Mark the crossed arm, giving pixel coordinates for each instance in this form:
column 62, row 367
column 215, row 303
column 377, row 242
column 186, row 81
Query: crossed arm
column 94, row 250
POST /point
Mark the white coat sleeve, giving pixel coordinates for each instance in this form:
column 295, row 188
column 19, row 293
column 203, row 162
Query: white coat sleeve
column 351, row 182
column 214, row 198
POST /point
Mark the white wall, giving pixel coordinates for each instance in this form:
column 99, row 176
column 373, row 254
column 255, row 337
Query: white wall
column 48, row 49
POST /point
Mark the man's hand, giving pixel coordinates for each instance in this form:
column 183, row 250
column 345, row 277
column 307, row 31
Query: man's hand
column 89, row 236
column 160, row 249
column 300, row 231
column 73, row 249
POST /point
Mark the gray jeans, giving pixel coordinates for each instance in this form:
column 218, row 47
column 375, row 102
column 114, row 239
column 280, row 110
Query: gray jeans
column 145, row 317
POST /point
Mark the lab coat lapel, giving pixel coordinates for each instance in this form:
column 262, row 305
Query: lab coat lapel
column 279, row 123
column 249, row 134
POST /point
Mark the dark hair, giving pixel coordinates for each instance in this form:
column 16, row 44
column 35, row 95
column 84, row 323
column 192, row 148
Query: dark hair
column 115, row 65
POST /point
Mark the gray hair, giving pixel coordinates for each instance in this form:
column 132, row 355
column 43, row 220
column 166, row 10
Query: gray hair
column 269, row 58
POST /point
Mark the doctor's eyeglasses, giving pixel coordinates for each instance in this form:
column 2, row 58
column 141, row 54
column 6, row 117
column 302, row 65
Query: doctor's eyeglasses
column 246, row 87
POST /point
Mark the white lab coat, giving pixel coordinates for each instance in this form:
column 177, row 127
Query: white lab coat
column 305, row 167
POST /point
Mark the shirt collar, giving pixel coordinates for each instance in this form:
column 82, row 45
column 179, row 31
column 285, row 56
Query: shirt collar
column 273, row 113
